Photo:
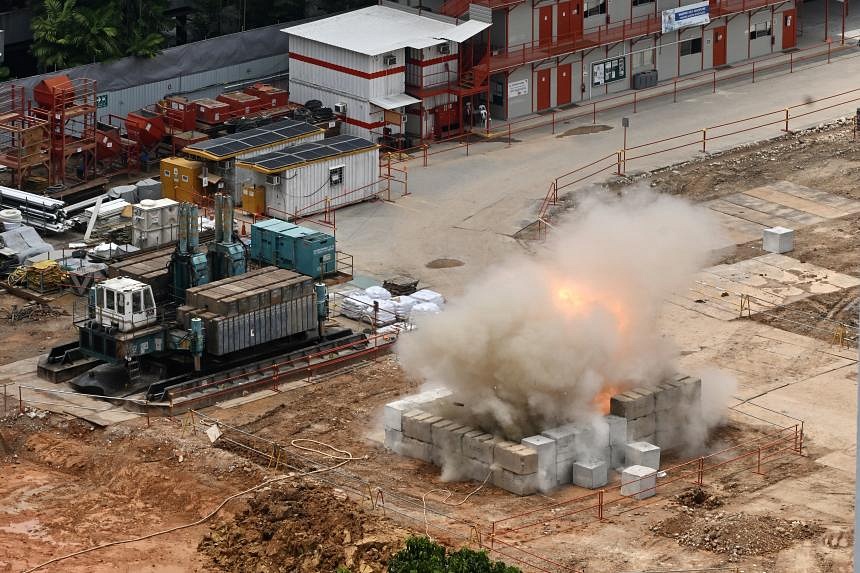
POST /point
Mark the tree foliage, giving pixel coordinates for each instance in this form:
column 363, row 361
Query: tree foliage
column 421, row 555
column 66, row 35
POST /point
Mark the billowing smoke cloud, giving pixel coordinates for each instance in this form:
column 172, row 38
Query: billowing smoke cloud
column 538, row 341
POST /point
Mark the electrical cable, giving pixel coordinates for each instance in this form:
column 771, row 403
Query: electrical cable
column 446, row 498
column 345, row 457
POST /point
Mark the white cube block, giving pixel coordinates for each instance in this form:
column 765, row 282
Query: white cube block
column 778, row 240
column 617, row 430
column 642, row 454
column 590, row 474
column 545, row 447
column 393, row 412
column 639, row 482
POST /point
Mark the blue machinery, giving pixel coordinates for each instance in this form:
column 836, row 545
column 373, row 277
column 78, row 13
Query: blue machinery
column 188, row 268
column 226, row 254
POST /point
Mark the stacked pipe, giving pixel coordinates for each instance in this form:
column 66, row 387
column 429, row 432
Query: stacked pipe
column 37, row 210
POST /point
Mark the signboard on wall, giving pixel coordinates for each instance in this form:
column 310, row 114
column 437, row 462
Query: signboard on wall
column 101, row 100
column 608, row 71
column 690, row 15
column 518, row 88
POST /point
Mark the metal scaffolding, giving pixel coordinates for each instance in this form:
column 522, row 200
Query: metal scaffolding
column 24, row 140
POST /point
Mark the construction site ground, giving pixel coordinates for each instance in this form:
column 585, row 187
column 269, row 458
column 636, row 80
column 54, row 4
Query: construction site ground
column 69, row 484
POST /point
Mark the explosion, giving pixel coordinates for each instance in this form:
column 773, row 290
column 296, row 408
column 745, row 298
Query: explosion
column 547, row 340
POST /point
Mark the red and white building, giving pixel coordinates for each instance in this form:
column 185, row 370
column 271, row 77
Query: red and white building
column 435, row 63
column 373, row 64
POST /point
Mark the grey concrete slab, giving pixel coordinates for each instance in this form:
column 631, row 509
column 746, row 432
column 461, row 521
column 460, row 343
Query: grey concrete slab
column 776, row 209
column 750, row 215
column 837, row 201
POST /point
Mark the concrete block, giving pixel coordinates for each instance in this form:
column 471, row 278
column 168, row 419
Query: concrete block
column 411, row 448
column 472, row 469
column 515, row 458
column 590, row 474
column 393, row 440
column 670, row 438
column 515, row 483
column 617, row 430
column 691, row 392
column 638, row 482
column 479, row 447
column 667, row 397
column 441, row 429
column 546, row 461
column 643, row 454
column 778, row 240
column 427, row 397
column 564, row 471
column 638, row 428
column 414, row 425
column 567, row 438
column 616, row 456
column 632, row 404
column 594, row 436
column 393, row 412
column 447, row 442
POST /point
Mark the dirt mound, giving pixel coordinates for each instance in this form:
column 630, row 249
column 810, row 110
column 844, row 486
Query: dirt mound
column 735, row 534
column 302, row 528
column 698, row 497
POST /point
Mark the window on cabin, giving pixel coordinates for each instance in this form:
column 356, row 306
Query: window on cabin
column 110, row 300
column 595, row 7
column 760, row 30
column 137, row 302
column 691, row 47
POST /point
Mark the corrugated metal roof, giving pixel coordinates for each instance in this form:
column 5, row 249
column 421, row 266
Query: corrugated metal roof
column 379, row 29
column 394, row 101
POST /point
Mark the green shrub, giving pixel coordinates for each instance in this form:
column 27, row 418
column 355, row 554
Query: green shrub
column 421, row 555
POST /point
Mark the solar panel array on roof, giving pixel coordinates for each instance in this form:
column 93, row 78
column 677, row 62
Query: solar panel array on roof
column 236, row 143
column 276, row 161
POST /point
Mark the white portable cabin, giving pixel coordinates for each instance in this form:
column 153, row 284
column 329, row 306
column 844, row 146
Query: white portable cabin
column 364, row 63
column 221, row 154
column 308, row 178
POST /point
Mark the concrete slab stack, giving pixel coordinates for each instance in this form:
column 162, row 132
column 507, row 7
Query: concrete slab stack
column 641, row 423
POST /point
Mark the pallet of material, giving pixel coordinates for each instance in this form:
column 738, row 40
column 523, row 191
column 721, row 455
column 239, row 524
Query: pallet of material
column 250, row 293
column 150, row 267
column 227, row 334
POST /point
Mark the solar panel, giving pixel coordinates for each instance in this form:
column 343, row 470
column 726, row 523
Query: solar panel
column 278, row 163
column 312, row 151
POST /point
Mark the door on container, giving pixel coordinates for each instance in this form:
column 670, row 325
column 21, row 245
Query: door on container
column 564, row 80
column 576, row 18
column 564, row 22
column 719, row 46
column 789, row 29
column 543, row 87
column 545, row 26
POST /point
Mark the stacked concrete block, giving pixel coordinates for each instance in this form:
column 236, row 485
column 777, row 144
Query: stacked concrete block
column 617, row 440
column 643, row 454
column 566, row 450
column 637, row 407
column 591, row 474
column 515, row 468
column 639, row 482
column 547, row 478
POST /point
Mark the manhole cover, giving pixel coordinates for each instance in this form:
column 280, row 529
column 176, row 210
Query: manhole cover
column 444, row 263
column 585, row 130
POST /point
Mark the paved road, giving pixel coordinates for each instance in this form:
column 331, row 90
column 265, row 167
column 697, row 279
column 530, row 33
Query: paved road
column 469, row 208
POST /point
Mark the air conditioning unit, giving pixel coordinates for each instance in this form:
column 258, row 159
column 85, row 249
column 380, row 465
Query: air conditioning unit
column 273, row 179
column 389, row 60
column 340, row 108
column 444, row 48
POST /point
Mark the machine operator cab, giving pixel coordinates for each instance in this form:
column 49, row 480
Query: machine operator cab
column 123, row 303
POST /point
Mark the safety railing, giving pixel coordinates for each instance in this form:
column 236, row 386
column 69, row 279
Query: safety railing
column 698, row 140
column 751, row 456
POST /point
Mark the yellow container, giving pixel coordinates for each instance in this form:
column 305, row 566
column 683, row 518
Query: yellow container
column 181, row 179
column 254, row 199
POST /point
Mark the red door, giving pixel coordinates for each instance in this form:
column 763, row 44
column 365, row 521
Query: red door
column 543, row 81
column 576, row 18
column 562, row 96
column 545, row 26
column 719, row 46
column 789, row 29
column 564, row 21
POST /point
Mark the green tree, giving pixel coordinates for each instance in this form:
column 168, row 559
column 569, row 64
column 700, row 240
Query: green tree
column 142, row 24
column 65, row 35
column 421, row 555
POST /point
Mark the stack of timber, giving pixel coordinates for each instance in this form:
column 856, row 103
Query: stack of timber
column 150, row 267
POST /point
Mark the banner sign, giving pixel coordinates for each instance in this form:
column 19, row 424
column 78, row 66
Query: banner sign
column 518, row 88
column 691, row 15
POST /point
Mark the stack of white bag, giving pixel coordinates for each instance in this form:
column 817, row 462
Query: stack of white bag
column 427, row 302
column 403, row 306
column 358, row 305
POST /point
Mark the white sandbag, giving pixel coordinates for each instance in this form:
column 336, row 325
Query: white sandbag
column 427, row 295
column 377, row 293
column 403, row 306
column 424, row 309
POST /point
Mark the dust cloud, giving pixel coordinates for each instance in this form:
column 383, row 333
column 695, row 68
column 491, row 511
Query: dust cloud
column 542, row 341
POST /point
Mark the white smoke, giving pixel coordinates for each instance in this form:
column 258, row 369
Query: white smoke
column 533, row 344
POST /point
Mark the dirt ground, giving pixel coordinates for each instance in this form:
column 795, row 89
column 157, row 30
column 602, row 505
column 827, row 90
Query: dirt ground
column 66, row 485
column 33, row 336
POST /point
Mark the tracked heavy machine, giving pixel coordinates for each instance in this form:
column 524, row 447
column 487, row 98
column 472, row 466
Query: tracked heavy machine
column 216, row 319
